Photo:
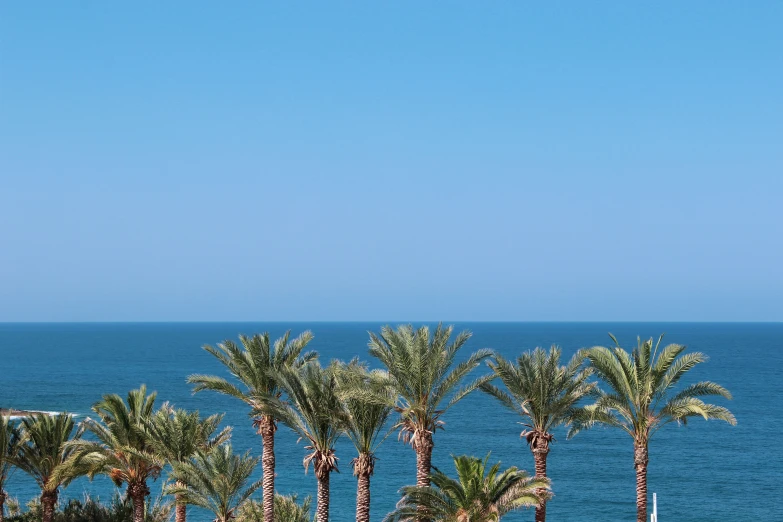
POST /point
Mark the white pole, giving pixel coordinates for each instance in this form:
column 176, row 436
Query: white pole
column 654, row 516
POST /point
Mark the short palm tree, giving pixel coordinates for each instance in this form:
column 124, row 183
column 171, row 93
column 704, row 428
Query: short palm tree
column 253, row 365
column 123, row 450
column 177, row 435
column 544, row 393
column 367, row 416
column 43, row 448
column 216, row 480
column 9, row 452
column 641, row 398
column 313, row 411
column 478, row 494
column 423, row 374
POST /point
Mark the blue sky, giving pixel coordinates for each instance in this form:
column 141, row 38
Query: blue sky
column 391, row 161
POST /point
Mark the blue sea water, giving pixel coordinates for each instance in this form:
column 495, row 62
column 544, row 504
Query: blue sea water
column 702, row 471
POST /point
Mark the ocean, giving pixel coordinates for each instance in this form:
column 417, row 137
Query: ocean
column 702, row 471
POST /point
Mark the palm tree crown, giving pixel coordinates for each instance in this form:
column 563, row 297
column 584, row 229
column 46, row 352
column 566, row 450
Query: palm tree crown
column 422, row 372
column 177, row 434
column 43, row 448
column 478, row 494
column 541, row 391
column 217, row 480
column 641, row 398
column 123, row 451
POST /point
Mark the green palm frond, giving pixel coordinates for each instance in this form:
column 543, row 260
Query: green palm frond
column 642, row 396
column 253, row 364
column 123, row 449
column 177, row 434
column 479, row 493
column 217, row 480
column 43, row 447
column 10, row 440
column 539, row 389
column 421, row 371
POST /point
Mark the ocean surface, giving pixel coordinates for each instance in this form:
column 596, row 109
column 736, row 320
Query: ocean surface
column 702, row 471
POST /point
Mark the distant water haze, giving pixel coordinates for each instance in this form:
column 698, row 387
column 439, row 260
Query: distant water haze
column 67, row 367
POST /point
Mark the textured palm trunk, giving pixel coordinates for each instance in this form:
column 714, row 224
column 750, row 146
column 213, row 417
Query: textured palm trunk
column 539, row 456
column 181, row 511
column 640, row 460
column 48, row 501
column 322, row 511
column 266, row 428
column 363, row 498
column 424, row 445
column 2, row 504
column 424, row 459
column 137, row 493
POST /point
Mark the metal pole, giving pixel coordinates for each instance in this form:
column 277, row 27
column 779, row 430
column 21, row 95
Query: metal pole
column 654, row 516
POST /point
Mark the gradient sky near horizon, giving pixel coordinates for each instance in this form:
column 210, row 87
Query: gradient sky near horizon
column 391, row 161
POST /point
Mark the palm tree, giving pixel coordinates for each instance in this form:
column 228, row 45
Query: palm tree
column 216, row 480
column 365, row 421
column 545, row 394
column 123, row 450
column 315, row 413
column 478, row 494
column 9, row 452
column 422, row 373
column 43, row 448
column 177, row 435
column 253, row 366
column 641, row 398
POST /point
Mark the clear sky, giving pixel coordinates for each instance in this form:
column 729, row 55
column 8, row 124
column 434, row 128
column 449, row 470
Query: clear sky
column 391, row 161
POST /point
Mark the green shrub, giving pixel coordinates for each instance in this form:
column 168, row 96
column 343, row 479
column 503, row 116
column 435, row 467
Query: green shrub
column 287, row 509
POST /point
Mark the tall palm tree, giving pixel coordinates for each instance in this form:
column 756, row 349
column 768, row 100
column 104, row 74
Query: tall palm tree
column 365, row 421
column 544, row 393
column 641, row 398
column 315, row 413
column 123, row 450
column 43, row 448
column 216, row 480
column 177, row 435
column 422, row 373
column 478, row 494
column 253, row 366
column 9, row 452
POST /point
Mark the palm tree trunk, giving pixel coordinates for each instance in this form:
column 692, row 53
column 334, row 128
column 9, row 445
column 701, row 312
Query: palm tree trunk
column 322, row 510
column 181, row 510
column 48, row 501
column 266, row 428
column 363, row 498
column 640, row 460
column 423, row 449
column 138, row 492
column 2, row 504
column 539, row 456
